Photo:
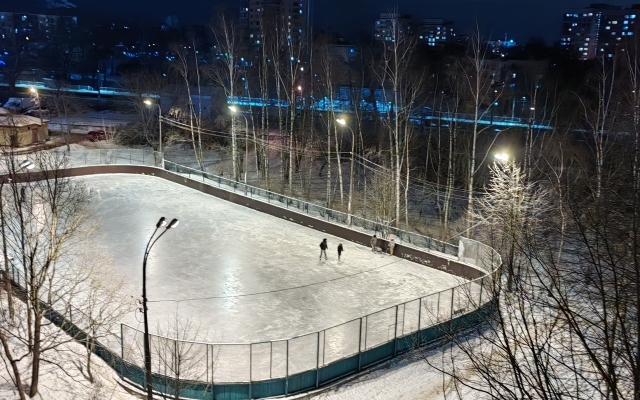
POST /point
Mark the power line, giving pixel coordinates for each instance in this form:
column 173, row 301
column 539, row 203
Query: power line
column 275, row 291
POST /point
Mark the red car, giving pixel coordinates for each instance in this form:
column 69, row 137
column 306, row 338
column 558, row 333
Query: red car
column 95, row 136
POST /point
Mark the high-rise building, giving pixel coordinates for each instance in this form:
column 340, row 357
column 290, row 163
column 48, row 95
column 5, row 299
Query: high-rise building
column 595, row 31
column 392, row 26
column 436, row 31
column 35, row 27
column 292, row 17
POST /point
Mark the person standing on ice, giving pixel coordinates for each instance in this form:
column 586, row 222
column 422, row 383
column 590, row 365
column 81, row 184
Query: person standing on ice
column 340, row 250
column 392, row 246
column 374, row 242
column 323, row 249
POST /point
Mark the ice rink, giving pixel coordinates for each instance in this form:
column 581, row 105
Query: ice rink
column 239, row 275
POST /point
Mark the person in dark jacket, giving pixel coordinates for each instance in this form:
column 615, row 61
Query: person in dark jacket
column 340, row 250
column 323, row 249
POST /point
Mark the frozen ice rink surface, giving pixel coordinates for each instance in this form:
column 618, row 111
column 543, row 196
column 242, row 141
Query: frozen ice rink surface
column 239, row 275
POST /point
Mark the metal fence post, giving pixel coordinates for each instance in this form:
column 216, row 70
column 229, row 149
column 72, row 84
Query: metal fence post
column 366, row 328
column 318, row 359
column 175, row 358
column 438, row 309
column 122, row 350
column 404, row 314
column 395, row 334
column 452, row 295
column 419, row 316
column 286, row 382
column 250, row 370
column 360, row 347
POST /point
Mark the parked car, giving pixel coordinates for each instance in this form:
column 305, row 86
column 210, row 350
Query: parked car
column 38, row 113
column 95, row 136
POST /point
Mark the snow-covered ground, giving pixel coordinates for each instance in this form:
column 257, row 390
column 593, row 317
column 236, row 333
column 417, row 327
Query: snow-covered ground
column 92, row 121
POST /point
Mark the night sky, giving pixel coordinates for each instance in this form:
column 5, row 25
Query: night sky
column 521, row 19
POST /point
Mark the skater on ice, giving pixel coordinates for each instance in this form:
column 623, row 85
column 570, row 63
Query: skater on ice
column 340, row 250
column 323, row 249
column 392, row 246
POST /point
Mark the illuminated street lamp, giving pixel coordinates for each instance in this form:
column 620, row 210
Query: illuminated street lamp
column 502, row 157
column 37, row 95
column 149, row 103
column 343, row 122
column 147, row 348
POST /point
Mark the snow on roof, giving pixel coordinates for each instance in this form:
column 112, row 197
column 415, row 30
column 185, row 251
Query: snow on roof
column 4, row 111
column 17, row 121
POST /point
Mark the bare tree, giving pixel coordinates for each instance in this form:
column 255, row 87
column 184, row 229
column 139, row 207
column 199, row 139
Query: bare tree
column 225, row 73
column 44, row 220
column 178, row 355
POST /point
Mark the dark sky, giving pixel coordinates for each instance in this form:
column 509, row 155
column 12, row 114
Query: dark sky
column 521, row 19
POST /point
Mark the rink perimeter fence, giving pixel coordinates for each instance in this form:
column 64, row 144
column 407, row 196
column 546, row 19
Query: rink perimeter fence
column 234, row 371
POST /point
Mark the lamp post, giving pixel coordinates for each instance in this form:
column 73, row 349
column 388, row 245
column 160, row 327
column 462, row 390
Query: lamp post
column 26, row 164
column 147, row 350
column 37, row 95
column 343, row 122
column 234, row 110
column 149, row 103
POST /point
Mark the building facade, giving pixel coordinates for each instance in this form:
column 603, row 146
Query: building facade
column 35, row 28
column 435, row 32
column 390, row 27
column 290, row 17
column 595, row 31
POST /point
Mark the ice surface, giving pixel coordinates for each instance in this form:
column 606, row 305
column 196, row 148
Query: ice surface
column 240, row 275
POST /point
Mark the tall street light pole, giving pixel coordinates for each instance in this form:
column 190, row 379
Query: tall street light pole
column 234, row 110
column 149, row 103
column 343, row 122
column 147, row 348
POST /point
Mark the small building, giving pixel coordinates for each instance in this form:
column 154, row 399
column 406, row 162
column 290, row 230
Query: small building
column 19, row 130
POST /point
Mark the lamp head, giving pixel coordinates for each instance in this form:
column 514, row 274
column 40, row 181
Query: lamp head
column 148, row 102
column 173, row 224
column 502, row 157
column 161, row 222
column 33, row 90
column 233, row 109
column 341, row 121
column 26, row 164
